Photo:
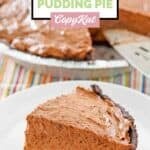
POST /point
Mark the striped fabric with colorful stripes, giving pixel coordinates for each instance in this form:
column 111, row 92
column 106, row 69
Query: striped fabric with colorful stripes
column 140, row 82
column 14, row 77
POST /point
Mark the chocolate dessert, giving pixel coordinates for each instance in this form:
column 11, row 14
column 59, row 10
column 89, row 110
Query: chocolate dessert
column 84, row 119
column 36, row 37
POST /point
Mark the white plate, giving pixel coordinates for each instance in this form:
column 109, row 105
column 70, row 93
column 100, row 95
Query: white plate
column 14, row 109
column 70, row 68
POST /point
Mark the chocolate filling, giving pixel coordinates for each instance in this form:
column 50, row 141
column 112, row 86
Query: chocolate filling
column 132, row 131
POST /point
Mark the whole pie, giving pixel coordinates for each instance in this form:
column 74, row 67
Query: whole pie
column 37, row 37
column 83, row 120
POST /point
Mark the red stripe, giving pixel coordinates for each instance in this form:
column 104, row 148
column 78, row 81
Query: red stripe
column 19, row 73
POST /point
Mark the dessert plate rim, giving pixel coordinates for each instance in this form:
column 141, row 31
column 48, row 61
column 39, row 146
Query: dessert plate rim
column 52, row 62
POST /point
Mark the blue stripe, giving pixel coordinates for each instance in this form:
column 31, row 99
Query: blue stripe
column 143, row 83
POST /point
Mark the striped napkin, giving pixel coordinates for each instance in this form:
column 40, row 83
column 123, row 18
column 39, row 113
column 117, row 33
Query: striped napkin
column 14, row 77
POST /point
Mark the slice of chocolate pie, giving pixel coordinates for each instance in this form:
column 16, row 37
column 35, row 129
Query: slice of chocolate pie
column 83, row 120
